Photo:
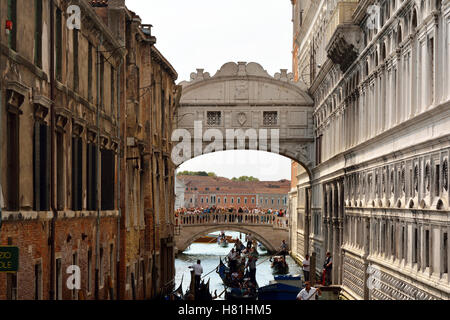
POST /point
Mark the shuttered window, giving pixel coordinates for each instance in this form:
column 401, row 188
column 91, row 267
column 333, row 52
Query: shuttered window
column 77, row 173
column 108, row 168
column 38, row 33
column 102, row 82
column 41, row 167
column 90, row 62
column 58, row 44
column 91, row 176
column 113, row 91
column 12, row 16
column 60, row 169
column 12, row 189
column 75, row 59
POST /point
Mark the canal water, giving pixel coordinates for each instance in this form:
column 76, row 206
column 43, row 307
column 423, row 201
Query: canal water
column 209, row 254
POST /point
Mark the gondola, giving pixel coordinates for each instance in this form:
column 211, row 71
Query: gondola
column 203, row 293
column 224, row 272
column 232, row 292
column 279, row 266
column 177, row 294
column 281, row 288
column 224, row 243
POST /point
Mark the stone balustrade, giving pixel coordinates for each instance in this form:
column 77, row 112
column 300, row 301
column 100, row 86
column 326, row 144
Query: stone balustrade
column 232, row 219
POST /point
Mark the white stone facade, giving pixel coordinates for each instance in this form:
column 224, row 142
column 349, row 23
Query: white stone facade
column 382, row 118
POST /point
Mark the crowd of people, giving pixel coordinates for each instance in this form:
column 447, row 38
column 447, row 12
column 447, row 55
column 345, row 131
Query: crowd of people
column 240, row 210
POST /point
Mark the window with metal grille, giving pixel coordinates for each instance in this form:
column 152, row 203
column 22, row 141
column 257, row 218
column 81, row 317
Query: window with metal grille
column 214, row 118
column 270, row 118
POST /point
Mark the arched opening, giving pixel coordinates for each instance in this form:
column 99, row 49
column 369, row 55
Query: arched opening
column 414, row 21
column 252, row 192
column 399, row 35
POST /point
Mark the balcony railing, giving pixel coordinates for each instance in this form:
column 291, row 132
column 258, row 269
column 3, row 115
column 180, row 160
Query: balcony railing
column 342, row 14
column 232, row 219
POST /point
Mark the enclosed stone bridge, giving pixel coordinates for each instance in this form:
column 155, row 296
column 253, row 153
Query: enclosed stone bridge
column 268, row 229
column 259, row 111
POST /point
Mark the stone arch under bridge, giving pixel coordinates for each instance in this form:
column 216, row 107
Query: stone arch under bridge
column 244, row 98
column 269, row 236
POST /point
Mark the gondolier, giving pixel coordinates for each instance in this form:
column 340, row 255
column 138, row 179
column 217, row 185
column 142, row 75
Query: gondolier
column 198, row 270
column 309, row 293
column 232, row 260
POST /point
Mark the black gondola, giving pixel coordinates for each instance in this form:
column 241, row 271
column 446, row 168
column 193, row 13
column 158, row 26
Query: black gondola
column 233, row 289
column 279, row 266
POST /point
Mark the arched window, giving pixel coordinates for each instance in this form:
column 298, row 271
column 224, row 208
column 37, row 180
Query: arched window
column 399, row 35
column 414, row 21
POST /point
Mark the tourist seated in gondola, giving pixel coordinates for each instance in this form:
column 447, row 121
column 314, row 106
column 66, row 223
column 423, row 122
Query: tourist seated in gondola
column 235, row 280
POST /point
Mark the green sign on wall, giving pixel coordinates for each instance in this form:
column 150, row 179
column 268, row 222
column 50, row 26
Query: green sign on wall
column 9, row 259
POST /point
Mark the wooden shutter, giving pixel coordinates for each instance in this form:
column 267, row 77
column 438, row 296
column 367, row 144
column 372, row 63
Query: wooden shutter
column 36, row 166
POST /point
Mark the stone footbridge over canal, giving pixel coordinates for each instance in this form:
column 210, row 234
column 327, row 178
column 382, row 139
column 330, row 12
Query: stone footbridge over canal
column 268, row 229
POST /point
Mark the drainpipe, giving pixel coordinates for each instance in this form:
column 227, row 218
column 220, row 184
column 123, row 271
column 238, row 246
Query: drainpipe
column 97, row 241
column 52, row 151
column 118, row 184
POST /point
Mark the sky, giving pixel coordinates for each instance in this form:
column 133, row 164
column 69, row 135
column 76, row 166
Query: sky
column 206, row 34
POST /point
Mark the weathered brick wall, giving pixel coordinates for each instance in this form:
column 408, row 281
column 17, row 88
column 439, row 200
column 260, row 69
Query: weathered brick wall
column 31, row 238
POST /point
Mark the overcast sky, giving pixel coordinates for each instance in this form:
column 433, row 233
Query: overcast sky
column 206, row 34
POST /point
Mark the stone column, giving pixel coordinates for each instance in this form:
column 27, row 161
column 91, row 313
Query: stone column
column 325, row 217
column 336, row 243
column 307, row 220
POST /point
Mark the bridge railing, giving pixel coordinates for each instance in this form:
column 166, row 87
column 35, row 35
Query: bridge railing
column 232, row 219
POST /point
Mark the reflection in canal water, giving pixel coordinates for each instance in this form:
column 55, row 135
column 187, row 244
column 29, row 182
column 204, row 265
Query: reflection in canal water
column 209, row 254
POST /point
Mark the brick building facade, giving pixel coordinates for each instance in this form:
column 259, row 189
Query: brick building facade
column 76, row 170
column 204, row 192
